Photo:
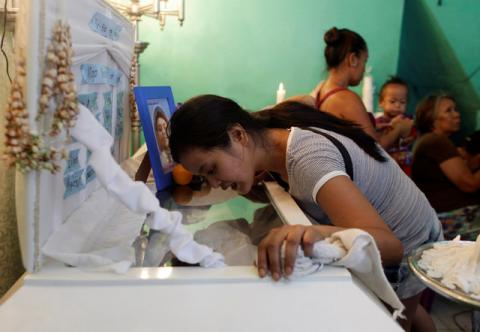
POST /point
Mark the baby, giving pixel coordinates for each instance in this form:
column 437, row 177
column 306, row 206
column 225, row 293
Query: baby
column 393, row 101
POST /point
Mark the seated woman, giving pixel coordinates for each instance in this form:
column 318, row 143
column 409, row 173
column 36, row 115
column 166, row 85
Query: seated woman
column 214, row 137
column 440, row 171
column 346, row 54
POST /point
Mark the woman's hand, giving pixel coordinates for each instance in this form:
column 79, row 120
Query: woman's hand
column 269, row 257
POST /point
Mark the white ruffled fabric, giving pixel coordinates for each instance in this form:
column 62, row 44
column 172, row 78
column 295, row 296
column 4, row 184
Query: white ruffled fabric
column 357, row 251
column 136, row 196
column 455, row 263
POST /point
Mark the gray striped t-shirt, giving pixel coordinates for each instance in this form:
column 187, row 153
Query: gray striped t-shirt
column 312, row 160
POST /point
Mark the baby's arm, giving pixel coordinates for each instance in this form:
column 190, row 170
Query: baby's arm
column 401, row 127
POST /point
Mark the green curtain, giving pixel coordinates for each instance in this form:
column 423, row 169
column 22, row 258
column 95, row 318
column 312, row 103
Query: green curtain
column 431, row 62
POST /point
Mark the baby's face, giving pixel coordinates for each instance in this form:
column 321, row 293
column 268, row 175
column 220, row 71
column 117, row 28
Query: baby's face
column 394, row 100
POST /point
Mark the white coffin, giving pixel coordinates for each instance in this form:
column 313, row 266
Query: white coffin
column 58, row 298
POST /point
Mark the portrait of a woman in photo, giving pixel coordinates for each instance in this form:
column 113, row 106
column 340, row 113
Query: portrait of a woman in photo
column 160, row 126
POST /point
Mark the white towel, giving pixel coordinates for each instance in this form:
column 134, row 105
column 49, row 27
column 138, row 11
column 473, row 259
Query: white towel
column 357, row 251
column 134, row 195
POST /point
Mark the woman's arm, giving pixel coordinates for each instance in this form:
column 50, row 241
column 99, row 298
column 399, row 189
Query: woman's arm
column 346, row 207
column 457, row 171
column 472, row 161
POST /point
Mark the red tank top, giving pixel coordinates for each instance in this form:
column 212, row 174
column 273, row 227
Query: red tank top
column 319, row 101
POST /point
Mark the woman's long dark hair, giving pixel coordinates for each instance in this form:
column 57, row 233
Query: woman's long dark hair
column 203, row 122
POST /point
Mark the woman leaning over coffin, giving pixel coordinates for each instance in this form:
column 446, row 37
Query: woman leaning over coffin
column 214, row 137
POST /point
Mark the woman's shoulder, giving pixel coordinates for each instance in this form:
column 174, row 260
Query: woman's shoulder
column 317, row 138
column 344, row 98
column 317, row 89
column 323, row 89
column 302, row 137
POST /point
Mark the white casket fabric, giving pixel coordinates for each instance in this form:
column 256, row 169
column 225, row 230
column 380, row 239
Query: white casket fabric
column 97, row 236
column 135, row 195
column 34, row 24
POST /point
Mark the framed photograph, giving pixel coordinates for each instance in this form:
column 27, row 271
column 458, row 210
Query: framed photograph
column 155, row 105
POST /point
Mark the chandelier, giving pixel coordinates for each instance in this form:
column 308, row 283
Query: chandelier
column 134, row 10
column 157, row 9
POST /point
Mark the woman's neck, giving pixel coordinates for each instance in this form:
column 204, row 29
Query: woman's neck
column 441, row 132
column 337, row 77
column 272, row 155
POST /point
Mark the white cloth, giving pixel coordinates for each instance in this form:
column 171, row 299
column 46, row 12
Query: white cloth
column 136, row 196
column 33, row 29
column 456, row 263
column 97, row 236
column 357, row 251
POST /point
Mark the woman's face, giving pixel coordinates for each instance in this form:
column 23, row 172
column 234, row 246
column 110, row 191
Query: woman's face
column 447, row 118
column 358, row 68
column 161, row 131
column 222, row 167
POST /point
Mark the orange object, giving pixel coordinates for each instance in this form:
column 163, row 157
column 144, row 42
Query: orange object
column 181, row 175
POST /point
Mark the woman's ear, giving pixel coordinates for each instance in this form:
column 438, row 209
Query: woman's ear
column 353, row 60
column 238, row 134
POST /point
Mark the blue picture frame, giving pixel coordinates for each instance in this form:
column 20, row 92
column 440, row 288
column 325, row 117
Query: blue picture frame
column 156, row 106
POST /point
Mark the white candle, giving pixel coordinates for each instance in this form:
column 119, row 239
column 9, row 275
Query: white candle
column 280, row 93
column 367, row 90
column 367, row 93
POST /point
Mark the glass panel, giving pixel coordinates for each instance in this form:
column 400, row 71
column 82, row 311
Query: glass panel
column 221, row 219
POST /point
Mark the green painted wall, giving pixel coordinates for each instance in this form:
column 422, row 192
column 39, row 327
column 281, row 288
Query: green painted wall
column 439, row 51
column 243, row 49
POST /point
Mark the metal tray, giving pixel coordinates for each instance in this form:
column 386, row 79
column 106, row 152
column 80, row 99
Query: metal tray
column 435, row 284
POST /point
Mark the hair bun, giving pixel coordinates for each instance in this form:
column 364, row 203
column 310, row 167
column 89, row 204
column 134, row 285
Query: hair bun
column 332, row 36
